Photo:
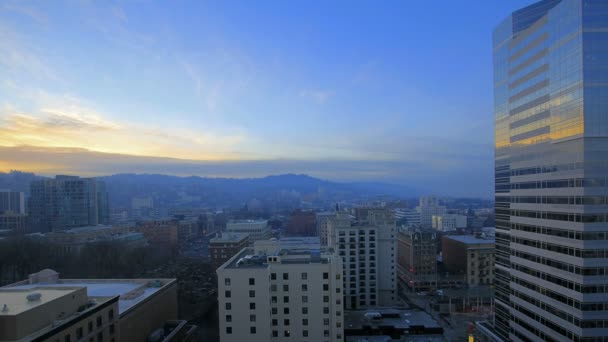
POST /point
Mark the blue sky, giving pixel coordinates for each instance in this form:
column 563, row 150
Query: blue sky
column 393, row 91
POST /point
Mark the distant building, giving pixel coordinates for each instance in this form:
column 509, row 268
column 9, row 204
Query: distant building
column 12, row 202
column 322, row 218
column 67, row 202
column 204, row 217
column 135, row 307
column 161, row 233
column 471, row 256
column 427, row 208
column 67, row 313
column 417, row 258
column 13, row 223
column 385, row 324
column 225, row 246
column 412, row 217
column 301, row 223
column 71, row 241
column 368, row 252
column 449, row 222
column 281, row 294
column 256, row 229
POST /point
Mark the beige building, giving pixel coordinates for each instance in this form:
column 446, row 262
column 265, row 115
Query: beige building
column 256, row 229
column 470, row 256
column 142, row 305
column 281, row 292
column 449, row 222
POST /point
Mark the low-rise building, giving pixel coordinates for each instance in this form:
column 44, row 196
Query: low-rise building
column 256, row 229
column 47, row 313
column 278, row 294
column 389, row 324
column 72, row 240
column 301, row 223
column 225, row 246
column 143, row 305
column 417, row 258
column 470, row 256
column 161, row 233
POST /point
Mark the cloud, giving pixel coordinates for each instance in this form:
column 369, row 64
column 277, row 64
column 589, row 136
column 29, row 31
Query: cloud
column 318, row 96
column 30, row 12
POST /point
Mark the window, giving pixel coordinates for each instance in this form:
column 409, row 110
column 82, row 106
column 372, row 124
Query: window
column 325, row 299
column 111, row 329
column 228, row 306
column 304, row 275
column 326, row 310
column 99, row 321
column 251, row 293
column 275, row 322
column 286, row 322
column 285, row 287
column 228, row 330
column 90, row 326
column 251, row 306
column 286, row 333
column 305, row 321
column 273, row 276
column 100, row 336
column 251, row 281
column 273, row 299
column 285, row 299
column 111, row 314
column 275, row 333
column 305, row 333
column 326, row 333
column 304, row 299
column 325, row 275
column 228, row 318
column 325, row 321
column 338, row 313
column 304, row 287
column 275, row 311
column 79, row 333
column 227, row 281
column 304, row 310
column 285, row 276
column 252, row 330
column 68, row 338
column 273, row 288
column 325, row 287
column 227, row 294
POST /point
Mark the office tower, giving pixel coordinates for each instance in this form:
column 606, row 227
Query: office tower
column 67, row 202
column 12, row 202
column 551, row 168
column 417, row 258
column 368, row 251
column 257, row 229
column 429, row 206
column 284, row 291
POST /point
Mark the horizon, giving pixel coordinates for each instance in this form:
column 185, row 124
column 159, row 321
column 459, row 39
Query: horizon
column 344, row 93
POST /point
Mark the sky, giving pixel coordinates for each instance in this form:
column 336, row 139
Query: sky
column 388, row 91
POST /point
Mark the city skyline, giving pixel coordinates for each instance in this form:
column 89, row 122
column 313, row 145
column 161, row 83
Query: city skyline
column 338, row 92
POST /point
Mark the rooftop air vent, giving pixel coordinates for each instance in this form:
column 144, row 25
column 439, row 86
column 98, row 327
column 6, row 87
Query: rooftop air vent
column 33, row 297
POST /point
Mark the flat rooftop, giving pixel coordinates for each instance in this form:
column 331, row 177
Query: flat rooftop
column 396, row 318
column 470, row 239
column 248, row 259
column 229, row 237
column 16, row 299
column 131, row 291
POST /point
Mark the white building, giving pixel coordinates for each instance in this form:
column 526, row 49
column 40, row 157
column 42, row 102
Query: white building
column 256, row 229
column 449, row 222
column 429, row 207
column 411, row 216
column 280, row 292
column 368, row 251
column 322, row 219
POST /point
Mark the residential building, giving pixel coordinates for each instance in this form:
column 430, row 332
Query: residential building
column 388, row 324
column 368, row 251
column 428, row 207
column 67, row 202
column 322, row 219
column 417, row 258
column 257, row 229
column 281, row 294
column 69, row 313
column 551, row 166
column 301, row 223
column 12, row 202
column 471, row 256
column 225, row 246
column 135, row 307
column 449, row 222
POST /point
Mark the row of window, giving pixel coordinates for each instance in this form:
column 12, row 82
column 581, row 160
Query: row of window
column 569, row 217
column 576, row 252
column 569, row 200
column 561, row 183
column 563, row 233
column 563, row 266
column 98, row 323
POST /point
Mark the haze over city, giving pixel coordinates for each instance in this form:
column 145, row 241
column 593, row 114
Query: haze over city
column 345, row 91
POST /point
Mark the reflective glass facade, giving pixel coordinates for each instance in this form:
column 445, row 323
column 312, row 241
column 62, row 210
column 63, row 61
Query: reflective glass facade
column 551, row 172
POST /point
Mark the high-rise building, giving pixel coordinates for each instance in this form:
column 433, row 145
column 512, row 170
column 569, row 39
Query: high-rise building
column 368, row 251
column 417, row 258
column 551, row 168
column 286, row 291
column 12, row 202
column 67, row 202
column 322, row 219
column 428, row 207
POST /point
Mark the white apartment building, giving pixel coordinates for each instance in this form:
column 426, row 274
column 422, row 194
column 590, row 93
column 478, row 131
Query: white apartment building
column 287, row 293
column 322, row 219
column 429, row 207
column 449, row 222
column 256, row 229
column 368, row 252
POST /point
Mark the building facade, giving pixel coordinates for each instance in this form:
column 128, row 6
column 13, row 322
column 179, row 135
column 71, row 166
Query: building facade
column 368, row 251
column 322, row 219
column 67, row 202
column 470, row 256
column 449, row 222
column 292, row 294
column 427, row 208
column 301, row 223
column 417, row 258
column 551, row 168
column 256, row 229
column 12, row 223
column 225, row 246
column 12, row 202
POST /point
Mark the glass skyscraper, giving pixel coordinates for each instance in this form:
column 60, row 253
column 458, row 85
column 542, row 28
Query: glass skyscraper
column 551, row 171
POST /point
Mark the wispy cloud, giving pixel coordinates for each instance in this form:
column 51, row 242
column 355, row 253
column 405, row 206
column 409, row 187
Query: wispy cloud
column 318, row 96
column 34, row 14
